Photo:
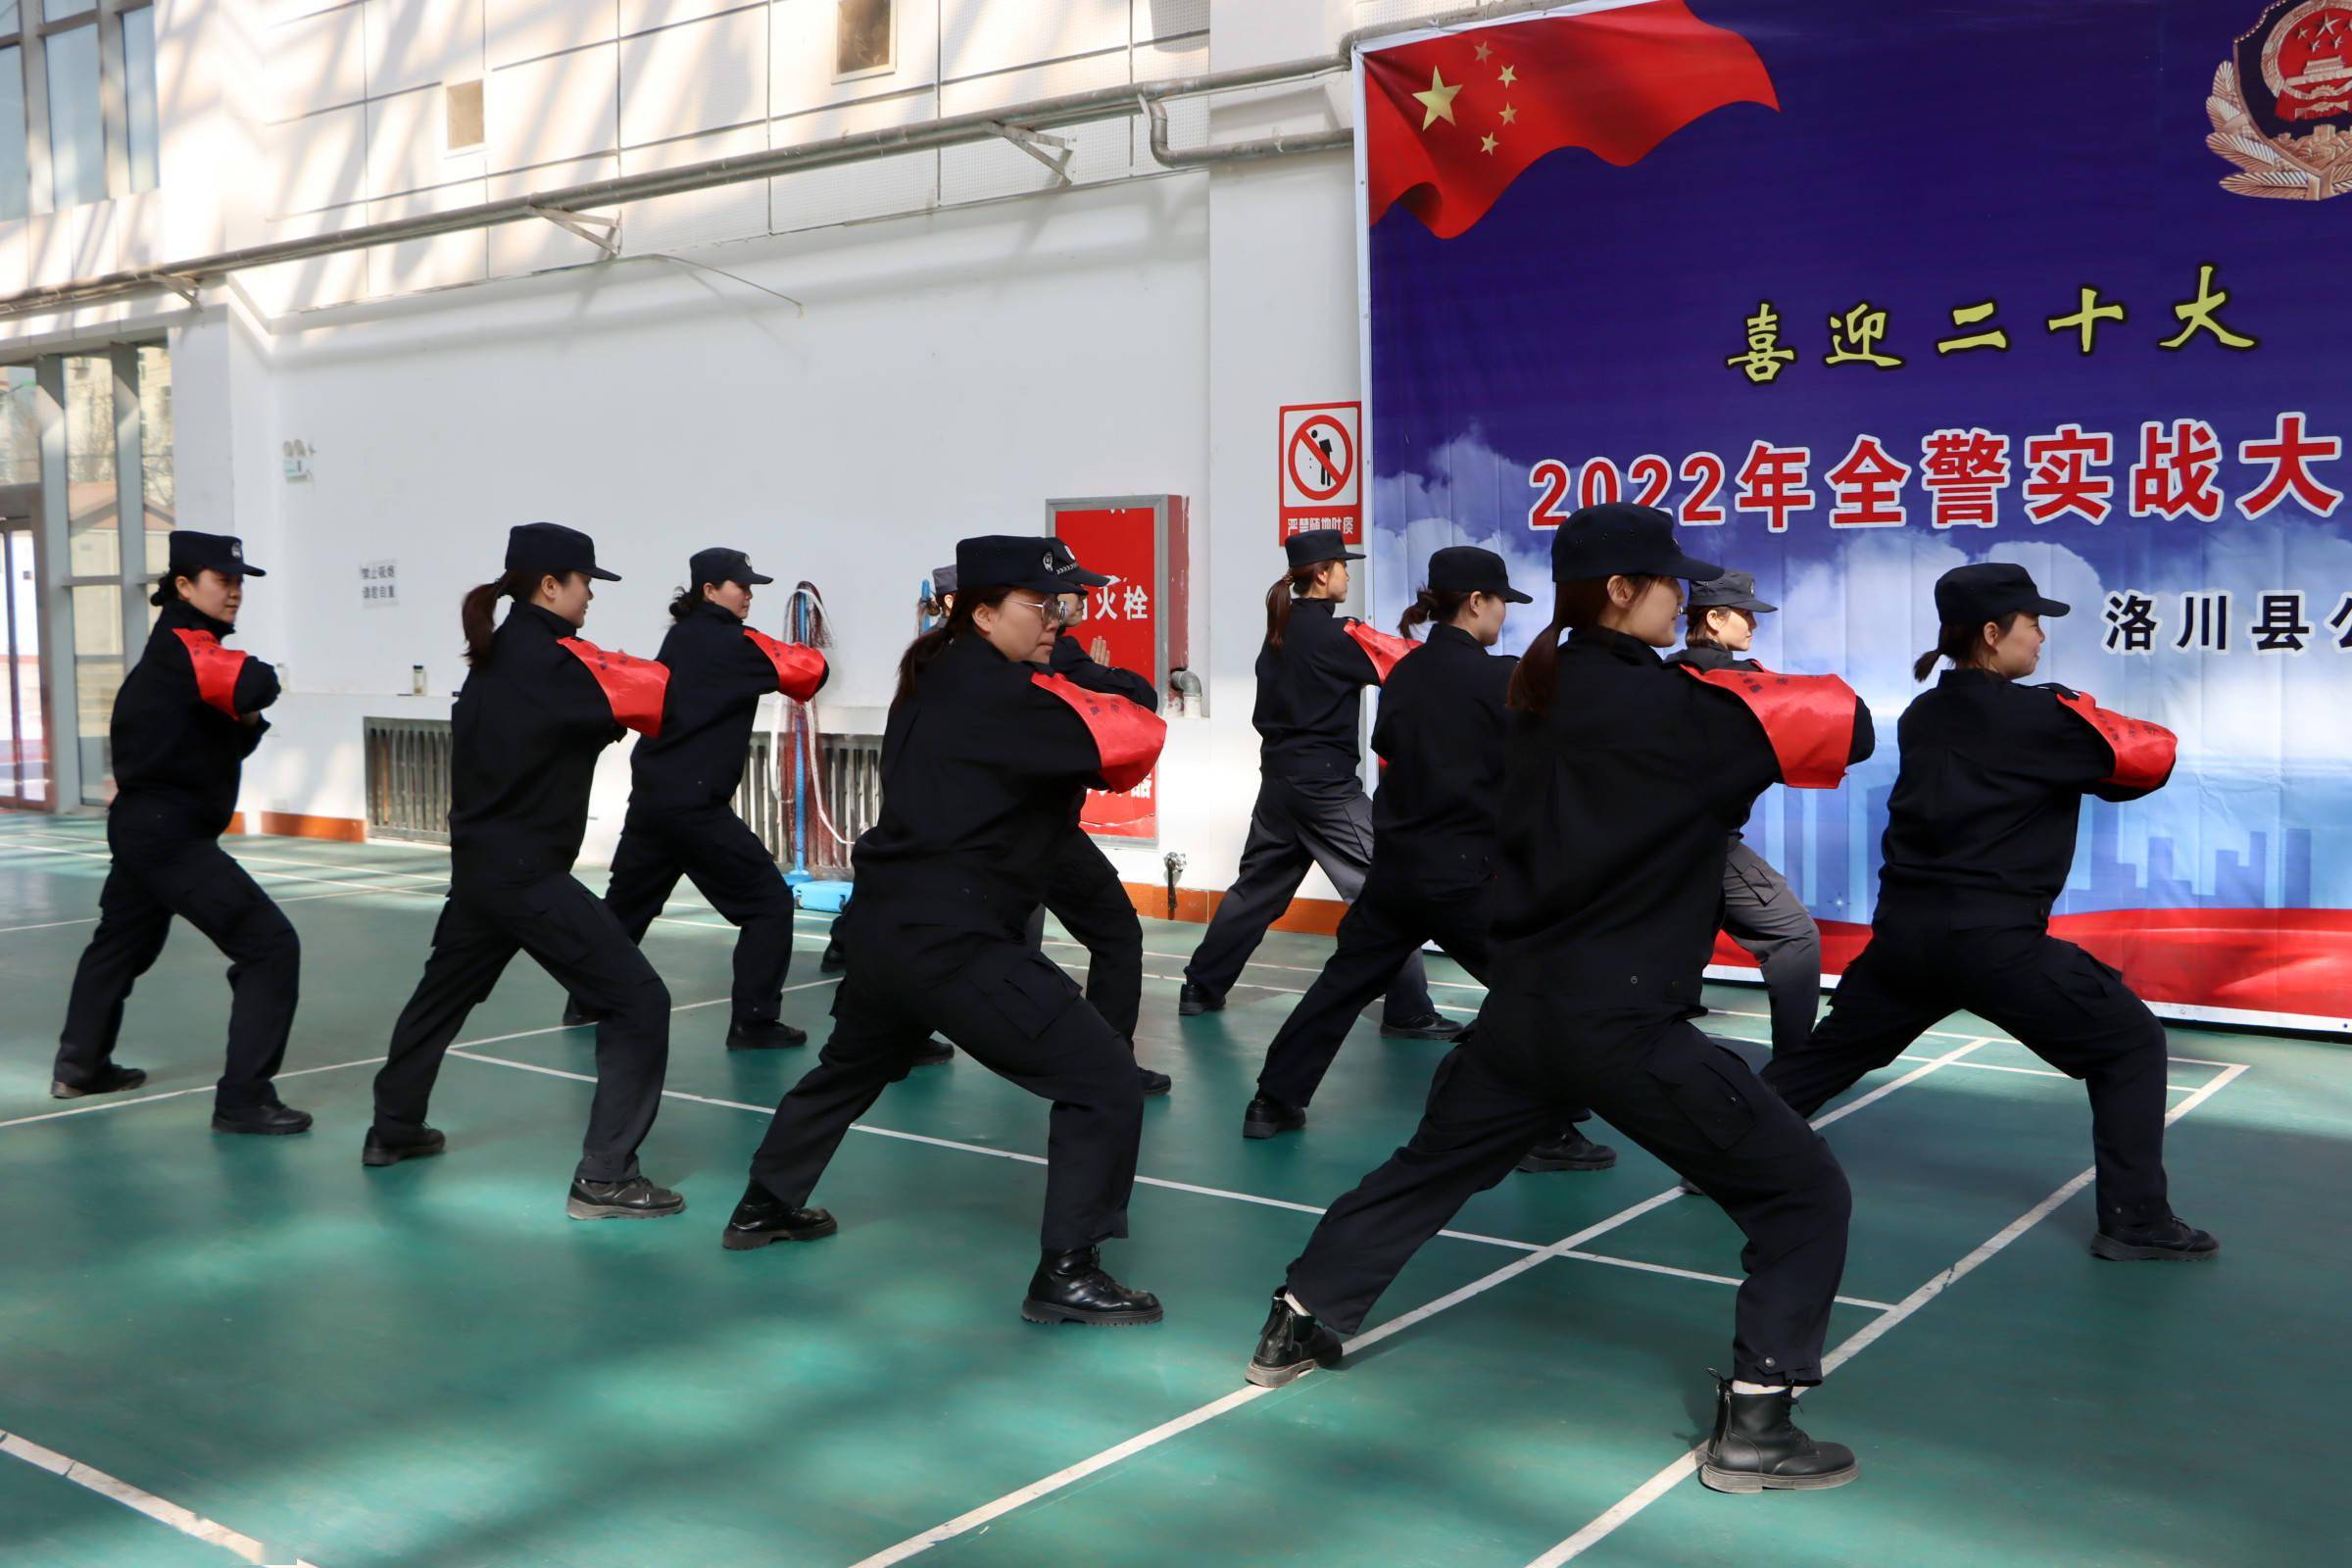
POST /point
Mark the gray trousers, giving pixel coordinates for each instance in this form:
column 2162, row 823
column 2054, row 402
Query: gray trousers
column 1764, row 915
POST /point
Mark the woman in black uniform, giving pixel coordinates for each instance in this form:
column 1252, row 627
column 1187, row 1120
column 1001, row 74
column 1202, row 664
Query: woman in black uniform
column 979, row 758
column 682, row 819
column 1439, row 737
column 1312, row 808
column 186, row 717
column 537, row 707
column 1082, row 887
column 1980, row 838
column 1622, row 777
column 1760, row 910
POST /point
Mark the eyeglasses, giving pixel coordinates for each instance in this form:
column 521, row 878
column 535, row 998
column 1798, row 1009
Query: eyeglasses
column 1053, row 611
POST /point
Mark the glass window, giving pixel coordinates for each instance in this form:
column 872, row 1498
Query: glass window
column 155, row 452
column 139, row 86
column 77, row 122
column 97, row 676
column 61, row 10
column 13, row 182
column 20, row 426
column 864, row 36
column 93, row 507
column 12, row 18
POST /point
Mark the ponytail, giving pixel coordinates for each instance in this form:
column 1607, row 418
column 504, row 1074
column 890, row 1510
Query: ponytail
column 474, row 613
column 924, row 650
column 1439, row 605
column 1577, row 604
column 167, row 590
column 1288, row 588
column 1961, row 643
column 685, row 604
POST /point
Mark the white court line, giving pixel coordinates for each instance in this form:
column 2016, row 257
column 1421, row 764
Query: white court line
column 987, row 1512
column 1657, row 1485
column 299, row 898
column 163, row 1512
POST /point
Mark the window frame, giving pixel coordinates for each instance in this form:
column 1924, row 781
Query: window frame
column 30, row 37
column 868, row 73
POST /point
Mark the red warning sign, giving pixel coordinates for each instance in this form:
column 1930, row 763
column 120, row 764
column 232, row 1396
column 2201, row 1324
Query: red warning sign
column 1322, row 468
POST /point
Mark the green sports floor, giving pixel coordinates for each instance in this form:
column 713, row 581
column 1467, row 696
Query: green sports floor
column 214, row 1349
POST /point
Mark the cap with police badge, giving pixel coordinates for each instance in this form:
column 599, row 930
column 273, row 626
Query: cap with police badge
column 943, row 579
column 193, row 552
column 1468, row 570
column 1010, row 561
column 1316, row 545
column 1618, row 539
column 1733, row 589
column 721, row 564
column 551, row 548
column 1073, row 575
column 1970, row 596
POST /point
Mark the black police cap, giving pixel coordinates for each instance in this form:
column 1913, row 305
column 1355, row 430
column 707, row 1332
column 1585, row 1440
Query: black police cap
column 193, row 552
column 721, row 564
column 551, row 548
column 1010, row 561
column 1075, row 577
column 1316, row 545
column 1970, row 596
column 1733, row 589
column 1618, row 539
column 1468, row 570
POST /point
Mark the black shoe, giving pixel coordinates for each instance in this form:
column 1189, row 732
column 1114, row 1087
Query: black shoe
column 271, row 1120
column 763, row 1217
column 633, row 1199
column 934, row 1052
column 773, row 1035
column 1757, row 1447
column 1432, row 1027
column 382, row 1151
column 834, row 960
column 107, row 1080
column 2171, row 1241
column 1290, row 1346
column 1153, row 1083
column 1073, row 1288
column 577, row 1014
column 1571, row 1150
column 1686, row 1187
column 1265, row 1117
column 1192, row 1001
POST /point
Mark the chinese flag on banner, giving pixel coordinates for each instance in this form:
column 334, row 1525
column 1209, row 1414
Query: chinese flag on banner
column 1454, row 120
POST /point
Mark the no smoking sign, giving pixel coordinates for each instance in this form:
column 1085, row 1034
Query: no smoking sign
column 1322, row 468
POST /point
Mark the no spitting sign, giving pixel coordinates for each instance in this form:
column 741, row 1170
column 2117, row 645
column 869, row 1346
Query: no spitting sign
column 1322, row 468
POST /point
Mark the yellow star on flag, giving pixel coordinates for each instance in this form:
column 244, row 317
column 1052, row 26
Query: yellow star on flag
column 1483, row 52
column 1510, row 114
column 1510, row 76
column 1486, row 144
column 1439, row 101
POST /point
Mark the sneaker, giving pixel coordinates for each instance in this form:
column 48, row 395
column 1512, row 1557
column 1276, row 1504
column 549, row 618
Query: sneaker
column 2172, row 1240
column 1264, row 1118
column 1432, row 1027
column 107, row 1080
column 1192, row 1001
column 1290, row 1346
column 271, row 1120
column 379, row 1150
column 1571, row 1150
column 633, row 1199
column 773, row 1035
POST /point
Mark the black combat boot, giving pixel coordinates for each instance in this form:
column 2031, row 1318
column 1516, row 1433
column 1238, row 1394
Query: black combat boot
column 1757, row 1447
column 1290, row 1346
column 1074, row 1288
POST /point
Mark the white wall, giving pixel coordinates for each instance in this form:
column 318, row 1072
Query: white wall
column 947, row 370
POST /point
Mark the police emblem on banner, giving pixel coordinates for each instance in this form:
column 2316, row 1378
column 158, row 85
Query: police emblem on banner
column 2281, row 105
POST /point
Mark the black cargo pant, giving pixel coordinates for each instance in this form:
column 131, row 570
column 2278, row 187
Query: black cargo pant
column 152, row 880
column 1764, row 915
column 1688, row 1100
column 1083, row 893
column 571, row 935
column 1317, row 818
column 726, row 862
column 1011, row 1009
column 2062, row 1004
